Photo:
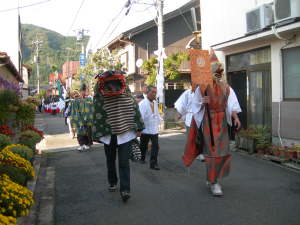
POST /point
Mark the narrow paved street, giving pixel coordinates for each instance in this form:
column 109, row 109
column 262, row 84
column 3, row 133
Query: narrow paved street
column 256, row 193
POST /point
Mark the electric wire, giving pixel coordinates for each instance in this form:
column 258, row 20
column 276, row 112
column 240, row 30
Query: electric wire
column 25, row 6
column 113, row 30
column 76, row 15
column 109, row 25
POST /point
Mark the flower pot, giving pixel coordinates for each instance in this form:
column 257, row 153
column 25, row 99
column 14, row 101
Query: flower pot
column 243, row 143
column 281, row 153
column 237, row 141
column 288, row 155
column 261, row 151
column 251, row 145
column 268, row 151
column 276, row 153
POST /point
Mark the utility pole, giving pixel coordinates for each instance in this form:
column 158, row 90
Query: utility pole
column 37, row 44
column 69, row 81
column 82, row 58
column 160, row 80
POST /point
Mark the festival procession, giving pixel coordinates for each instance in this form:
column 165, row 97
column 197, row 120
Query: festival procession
column 150, row 112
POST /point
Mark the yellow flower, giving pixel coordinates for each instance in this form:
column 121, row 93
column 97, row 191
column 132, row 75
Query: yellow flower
column 16, row 199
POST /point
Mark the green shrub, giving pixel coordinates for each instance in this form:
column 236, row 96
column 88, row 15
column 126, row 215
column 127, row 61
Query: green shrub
column 29, row 138
column 21, row 150
column 9, row 101
column 25, row 114
column 4, row 141
column 17, row 175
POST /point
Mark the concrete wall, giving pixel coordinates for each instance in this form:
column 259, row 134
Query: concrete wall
column 289, row 122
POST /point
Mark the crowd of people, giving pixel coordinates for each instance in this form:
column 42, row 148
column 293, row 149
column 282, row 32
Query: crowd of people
column 126, row 124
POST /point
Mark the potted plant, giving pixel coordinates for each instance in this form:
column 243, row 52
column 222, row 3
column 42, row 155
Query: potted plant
column 298, row 150
column 250, row 137
column 288, row 152
column 262, row 145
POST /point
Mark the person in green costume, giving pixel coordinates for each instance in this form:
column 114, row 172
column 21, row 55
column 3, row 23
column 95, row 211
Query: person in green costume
column 82, row 118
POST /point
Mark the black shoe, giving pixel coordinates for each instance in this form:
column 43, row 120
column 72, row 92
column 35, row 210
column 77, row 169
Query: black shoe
column 112, row 188
column 154, row 167
column 125, row 195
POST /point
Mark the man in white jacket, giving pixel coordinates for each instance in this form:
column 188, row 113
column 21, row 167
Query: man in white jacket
column 150, row 115
column 183, row 105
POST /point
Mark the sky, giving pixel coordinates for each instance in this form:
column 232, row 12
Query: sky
column 99, row 17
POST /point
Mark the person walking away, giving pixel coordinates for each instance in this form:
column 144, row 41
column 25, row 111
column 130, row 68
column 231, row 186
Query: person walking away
column 151, row 117
column 117, row 121
column 82, row 119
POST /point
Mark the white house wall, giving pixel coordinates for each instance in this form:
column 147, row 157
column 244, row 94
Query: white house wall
column 9, row 41
column 130, row 49
column 223, row 20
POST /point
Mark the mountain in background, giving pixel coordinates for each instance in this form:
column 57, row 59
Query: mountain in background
column 53, row 51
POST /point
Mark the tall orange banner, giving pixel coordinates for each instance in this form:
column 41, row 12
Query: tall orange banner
column 200, row 68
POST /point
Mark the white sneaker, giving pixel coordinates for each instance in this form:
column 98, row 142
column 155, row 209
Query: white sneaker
column 86, row 147
column 80, row 148
column 201, row 157
column 216, row 189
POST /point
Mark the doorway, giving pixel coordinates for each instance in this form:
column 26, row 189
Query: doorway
column 238, row 82
column 253, row 91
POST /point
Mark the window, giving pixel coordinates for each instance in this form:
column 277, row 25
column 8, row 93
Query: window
column 179, row 86
column 171, row 86
column 291, row 73
column 124, row 60
column 246, row 59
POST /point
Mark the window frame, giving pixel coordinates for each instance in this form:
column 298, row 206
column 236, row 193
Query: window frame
column 287, row 99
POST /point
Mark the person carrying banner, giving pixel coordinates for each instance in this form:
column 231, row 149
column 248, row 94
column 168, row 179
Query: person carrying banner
column 213, row 107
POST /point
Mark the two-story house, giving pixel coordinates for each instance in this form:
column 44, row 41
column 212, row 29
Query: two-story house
column 139, row 43
column 259, row 43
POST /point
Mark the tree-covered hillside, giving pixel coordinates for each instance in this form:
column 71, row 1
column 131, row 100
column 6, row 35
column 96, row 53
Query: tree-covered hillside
column 53, row 51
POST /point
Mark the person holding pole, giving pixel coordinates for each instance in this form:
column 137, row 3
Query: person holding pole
column 213, row 107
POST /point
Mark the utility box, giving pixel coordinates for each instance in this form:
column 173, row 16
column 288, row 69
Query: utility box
column 286, row 10
column 259, row 18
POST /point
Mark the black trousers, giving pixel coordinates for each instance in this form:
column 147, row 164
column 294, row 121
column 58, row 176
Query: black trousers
column 154, row 147
column 85, row 139
column 123, row 158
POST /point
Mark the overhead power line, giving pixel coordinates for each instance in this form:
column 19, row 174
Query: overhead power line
column 76, row 15
column 24, row 6
column 127, row 4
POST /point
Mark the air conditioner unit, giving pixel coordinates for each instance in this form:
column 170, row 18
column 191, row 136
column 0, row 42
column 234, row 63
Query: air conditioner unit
column 286, row 10
column 259, row 18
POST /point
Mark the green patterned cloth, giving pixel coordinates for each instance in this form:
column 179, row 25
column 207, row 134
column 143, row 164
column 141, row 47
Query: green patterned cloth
column 81, row 115
column 101, row 127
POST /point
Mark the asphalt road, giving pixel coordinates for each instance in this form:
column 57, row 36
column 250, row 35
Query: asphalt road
column 257, row 192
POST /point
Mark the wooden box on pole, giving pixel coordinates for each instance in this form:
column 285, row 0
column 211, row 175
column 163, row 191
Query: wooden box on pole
column 200, row 68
